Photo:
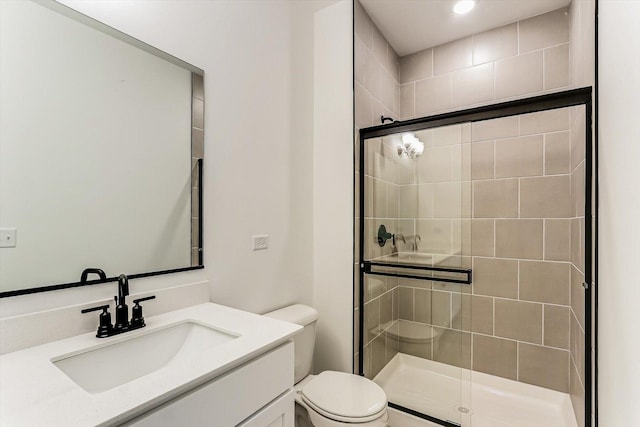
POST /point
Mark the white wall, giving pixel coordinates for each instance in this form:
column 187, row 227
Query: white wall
column 257, row 176
column 619, row 233
column 333, row 187
column 264, row 172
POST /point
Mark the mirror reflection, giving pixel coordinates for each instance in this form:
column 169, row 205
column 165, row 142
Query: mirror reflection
column 97, row 164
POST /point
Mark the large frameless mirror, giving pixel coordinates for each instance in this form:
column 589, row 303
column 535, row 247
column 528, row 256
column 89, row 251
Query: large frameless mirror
column 101, row 150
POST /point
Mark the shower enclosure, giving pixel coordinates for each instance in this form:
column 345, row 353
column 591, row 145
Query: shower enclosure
column 474, row 229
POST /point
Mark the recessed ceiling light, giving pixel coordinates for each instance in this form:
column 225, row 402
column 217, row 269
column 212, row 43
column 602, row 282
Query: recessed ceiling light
column 464, row 6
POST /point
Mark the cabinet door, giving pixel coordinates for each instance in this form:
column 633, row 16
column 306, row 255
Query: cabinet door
column 279, row 413
column 229, row 399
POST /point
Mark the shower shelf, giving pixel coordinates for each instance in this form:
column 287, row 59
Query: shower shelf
column 369, row 268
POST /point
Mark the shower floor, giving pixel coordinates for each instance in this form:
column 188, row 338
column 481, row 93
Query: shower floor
column 439, row 390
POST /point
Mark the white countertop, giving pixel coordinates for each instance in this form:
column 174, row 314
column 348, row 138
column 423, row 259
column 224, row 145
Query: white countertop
column 34, row 392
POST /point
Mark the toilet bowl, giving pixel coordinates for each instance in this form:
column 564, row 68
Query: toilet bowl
column 329, row 399
column 337, row 399
column 415, row 337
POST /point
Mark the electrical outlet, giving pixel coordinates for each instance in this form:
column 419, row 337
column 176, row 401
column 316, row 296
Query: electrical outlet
column 7, row 237
column 260, row 242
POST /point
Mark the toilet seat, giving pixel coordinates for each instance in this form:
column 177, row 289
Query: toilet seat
column 345, row 397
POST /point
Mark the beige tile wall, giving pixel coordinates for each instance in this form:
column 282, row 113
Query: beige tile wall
column 526, row 58
column 377, row 92
column 523, row 205
column 377, row 88
column 517, row 322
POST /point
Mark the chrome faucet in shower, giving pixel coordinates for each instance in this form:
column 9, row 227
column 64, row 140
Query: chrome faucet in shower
column 399, row 237
column 384, row 235
column 414, row 239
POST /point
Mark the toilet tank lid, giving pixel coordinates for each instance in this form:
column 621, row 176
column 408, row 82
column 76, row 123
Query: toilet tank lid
column 299, row 314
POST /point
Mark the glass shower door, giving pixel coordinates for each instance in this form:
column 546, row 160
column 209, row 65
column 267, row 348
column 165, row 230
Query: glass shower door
column 509, row 196
column 416, row 270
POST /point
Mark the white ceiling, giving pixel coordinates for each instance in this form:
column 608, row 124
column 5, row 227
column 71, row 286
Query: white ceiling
column 413, row 25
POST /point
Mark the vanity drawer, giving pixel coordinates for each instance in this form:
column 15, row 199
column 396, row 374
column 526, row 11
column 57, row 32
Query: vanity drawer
column 229, row 399
column 279, row 413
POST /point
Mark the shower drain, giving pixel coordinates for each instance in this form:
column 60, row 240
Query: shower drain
column 463, row 410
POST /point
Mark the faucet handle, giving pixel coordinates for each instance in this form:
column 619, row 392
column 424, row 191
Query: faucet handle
column 139, row 300
column 137, row 320
column 105, row 328
column 100, row 307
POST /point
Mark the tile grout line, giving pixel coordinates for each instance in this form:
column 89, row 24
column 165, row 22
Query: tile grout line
column 519, row 201
column 519, row 261
column 544, row 238
column 544, row 80
column 518, row 37
column 493, row 142
column 518, row 360
column 544, row 154
column 493, row 325
column 543, row 310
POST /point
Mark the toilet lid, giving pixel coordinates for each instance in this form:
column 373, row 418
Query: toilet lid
column 340, row 396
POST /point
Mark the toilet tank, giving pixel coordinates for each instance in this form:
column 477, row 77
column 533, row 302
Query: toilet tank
column 305, row 316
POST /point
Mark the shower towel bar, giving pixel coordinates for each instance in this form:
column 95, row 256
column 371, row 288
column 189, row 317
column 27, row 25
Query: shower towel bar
column 369, row 266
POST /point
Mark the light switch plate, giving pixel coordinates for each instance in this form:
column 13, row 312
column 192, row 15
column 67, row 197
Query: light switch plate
column 260, row 242
column 8, row 238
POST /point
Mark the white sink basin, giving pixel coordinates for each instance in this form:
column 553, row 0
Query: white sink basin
column 408, row 258
column 105, row 367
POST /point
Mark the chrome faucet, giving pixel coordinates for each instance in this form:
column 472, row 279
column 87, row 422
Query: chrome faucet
column 399, row 237
column 414, row 239
column 394, row 245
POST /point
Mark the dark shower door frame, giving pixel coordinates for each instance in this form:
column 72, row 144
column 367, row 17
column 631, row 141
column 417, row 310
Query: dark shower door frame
column 564, row 99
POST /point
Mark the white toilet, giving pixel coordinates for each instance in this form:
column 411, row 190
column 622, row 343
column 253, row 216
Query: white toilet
column 330, row 399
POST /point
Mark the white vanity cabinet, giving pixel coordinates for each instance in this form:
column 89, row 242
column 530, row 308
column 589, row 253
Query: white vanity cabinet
column 279, row 413
column 258, row 393
column 204, row 365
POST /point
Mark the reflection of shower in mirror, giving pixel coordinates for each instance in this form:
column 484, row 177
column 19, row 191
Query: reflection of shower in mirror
column 411, row 146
